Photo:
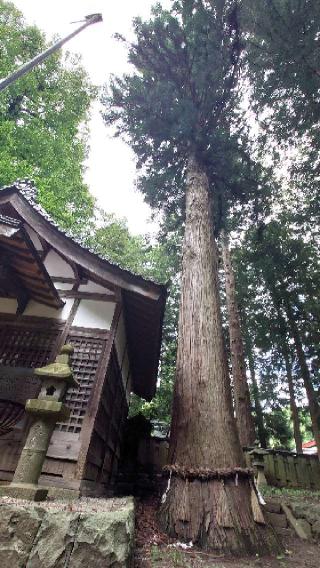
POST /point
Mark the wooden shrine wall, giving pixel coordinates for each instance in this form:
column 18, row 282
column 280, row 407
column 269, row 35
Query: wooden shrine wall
column 32, row 343
column 104, row 449
column 23, row 344
column 89, row 346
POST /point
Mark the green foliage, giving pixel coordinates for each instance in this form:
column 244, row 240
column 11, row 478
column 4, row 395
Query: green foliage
column 181, row 99
column 295, row 494
column 275, row 264
column 111, row 238
column 278, row 428
column 283, row 61
column 43, row 122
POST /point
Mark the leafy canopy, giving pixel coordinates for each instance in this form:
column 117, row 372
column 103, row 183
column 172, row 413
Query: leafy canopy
column 283, row 61
column 43, row 121
column 180, row 99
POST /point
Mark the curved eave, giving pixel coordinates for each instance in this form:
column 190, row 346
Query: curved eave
column 24, row 260
column 144, row 300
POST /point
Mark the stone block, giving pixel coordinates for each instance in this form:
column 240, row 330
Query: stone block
column 18, row 530
column 273, row 506
column 56, row 370
column 54, row 540
column 308, row 511
column 305, row 526
column 105, row 539
column 25, row 491
column 93, row 532
column 277, row 520
column 316, row 529
column 61, row 494
column 48, row 409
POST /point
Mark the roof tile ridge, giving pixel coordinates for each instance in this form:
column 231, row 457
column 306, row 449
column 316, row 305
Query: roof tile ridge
column 27, row 188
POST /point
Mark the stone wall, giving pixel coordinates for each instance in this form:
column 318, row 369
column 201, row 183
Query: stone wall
column 88, row 532
column 308, row 516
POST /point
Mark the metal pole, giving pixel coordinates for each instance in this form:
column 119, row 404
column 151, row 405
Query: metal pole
column 92, row 19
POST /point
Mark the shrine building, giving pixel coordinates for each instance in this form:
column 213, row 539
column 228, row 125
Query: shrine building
column 54, row 291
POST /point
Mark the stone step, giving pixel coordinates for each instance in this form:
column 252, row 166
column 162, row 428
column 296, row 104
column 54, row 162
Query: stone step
column 277, row 520
column 272, row 506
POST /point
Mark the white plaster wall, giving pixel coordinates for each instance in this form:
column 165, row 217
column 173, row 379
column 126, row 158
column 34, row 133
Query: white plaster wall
column 96, row 314
column 57, row 266
column 34, row 237
column 63, row 285
column 94, row 287
column 40, row 310
column 8, row 305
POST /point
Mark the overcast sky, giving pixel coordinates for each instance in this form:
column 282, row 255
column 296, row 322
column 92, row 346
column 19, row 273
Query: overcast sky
column 111, row 166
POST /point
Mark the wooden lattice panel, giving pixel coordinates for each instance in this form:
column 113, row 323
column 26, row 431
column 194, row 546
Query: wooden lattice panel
column 26, row 347
column 84, row 363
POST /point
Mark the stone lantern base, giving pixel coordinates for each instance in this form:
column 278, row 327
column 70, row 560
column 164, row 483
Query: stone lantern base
column 27, row 491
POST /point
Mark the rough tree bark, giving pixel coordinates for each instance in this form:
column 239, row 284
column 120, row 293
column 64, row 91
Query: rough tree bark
column 210, row 498
column 242, row 402
column 305, row 373
column 293, row 405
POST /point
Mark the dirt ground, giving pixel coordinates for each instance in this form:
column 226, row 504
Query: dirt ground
column 154, row 549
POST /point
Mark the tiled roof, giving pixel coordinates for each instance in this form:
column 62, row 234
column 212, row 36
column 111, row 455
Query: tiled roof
column 310, row 444
column 28, row 190
column 10, row 221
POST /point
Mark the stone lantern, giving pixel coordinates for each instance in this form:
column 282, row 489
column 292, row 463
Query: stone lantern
column 46, row 411
column 258, row 463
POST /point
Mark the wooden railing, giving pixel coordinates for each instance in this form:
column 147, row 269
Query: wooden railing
column 282, row 468
column 286, row 469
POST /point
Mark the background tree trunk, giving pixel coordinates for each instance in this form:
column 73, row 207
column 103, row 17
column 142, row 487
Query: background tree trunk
column 283, row 332
column 262, row 433
column 219, row 512
column 244, row 416
column 311, row 395
column 293, row 406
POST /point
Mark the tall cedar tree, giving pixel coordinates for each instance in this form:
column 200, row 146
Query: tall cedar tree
column 176, row 110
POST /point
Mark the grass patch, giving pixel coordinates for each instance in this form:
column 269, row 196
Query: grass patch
column 290, row 493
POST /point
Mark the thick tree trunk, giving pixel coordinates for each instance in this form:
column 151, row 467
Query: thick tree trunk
column 293, row 406
column 242, row 402
column 210, row 498
column 311, row 395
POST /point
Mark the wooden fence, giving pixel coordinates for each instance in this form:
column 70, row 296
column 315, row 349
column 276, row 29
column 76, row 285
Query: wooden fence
column 286, row 469
column 282, row 468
